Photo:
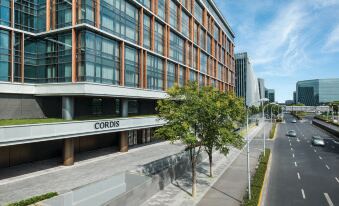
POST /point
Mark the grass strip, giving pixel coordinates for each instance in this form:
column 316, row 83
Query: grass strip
column 34, row 199
column 272, row 132
column 257, row 180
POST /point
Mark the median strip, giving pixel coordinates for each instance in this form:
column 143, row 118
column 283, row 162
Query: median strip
column 258, row 180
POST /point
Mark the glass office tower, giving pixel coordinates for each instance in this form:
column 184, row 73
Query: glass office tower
column 317, row 91
column 85, row 59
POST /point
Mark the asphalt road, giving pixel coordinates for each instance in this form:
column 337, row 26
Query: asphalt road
column 302, row 174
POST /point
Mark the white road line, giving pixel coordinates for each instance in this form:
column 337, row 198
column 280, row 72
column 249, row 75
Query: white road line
column 320, row 157
column 336, row 178
column 298, row 175
column 290, row 144
column 291, row 149
column 329, row 201
column 295, row 164
column 327, row 167
column 293, row 155
column 303, row 193
column 315, row 150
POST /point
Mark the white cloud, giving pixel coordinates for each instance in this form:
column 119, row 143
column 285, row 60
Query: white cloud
column 332, row 43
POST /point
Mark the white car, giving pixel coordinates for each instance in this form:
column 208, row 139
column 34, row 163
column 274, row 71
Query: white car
column 318, row 141
column 294, row 121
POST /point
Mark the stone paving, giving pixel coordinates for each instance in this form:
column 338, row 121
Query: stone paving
column 178, row 193
column 62, row 178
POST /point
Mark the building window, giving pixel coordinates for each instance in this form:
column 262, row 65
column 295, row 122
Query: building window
column 173, row 14
column 133, row 107
column 161, row 9
column 63, row 13
column 147, row 32
column 185, row 24
column 132, row 137
column 97, row 106
column 182, row 76
column 201, row 80
column 202, row 39
column 193, row 76
column 198, row 11
column 146, row 3
column 155, row 72
column 203, row 62
column 159, row 38
column 220, row 68
column 216, row 32
column 170, row 74
column 176, row 48
column 5, row 11
column 99, row 59
column 195, row 58
column 131, row 67
column 4, row 55
column 209, row 39
column 120, row 18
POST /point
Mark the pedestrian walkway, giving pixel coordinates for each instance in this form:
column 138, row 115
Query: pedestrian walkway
column 64, row 178
column 179, row 192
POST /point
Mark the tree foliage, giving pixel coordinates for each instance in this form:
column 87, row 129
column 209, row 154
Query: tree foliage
column 200, row 118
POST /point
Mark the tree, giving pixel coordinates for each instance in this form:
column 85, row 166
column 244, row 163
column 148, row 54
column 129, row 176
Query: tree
column 200, row 118
column 219, row 116
column 181, row 111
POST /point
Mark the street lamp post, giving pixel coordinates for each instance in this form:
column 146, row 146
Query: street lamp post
column 263, row 118
column 248, row 157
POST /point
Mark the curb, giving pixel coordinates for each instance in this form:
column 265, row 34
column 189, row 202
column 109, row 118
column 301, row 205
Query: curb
column 261, row 202
column 275, row 131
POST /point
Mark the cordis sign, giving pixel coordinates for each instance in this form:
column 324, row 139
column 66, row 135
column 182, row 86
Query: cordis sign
column 106, row 124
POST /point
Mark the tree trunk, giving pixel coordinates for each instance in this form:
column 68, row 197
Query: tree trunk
column 210, row 159
column 194, row 177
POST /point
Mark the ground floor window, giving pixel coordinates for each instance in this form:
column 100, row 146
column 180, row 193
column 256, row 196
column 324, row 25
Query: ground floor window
column 132, row 137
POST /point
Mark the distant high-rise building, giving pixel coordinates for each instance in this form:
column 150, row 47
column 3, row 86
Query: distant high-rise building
column 294, row 97
column 289, row 102
column 261, row 84
column 270, row 94
column 246, row 83
column 317, row 91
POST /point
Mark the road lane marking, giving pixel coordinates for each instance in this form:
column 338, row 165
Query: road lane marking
column 320, row 157
column 336, row 178
column 295, row 164
column 293, row 155
column 329, row 201
column 327, row 167
column 303, row 193
column 298, row 140
column 290, row 144
column 291, row 149
column 298, row 175
column 315, row 150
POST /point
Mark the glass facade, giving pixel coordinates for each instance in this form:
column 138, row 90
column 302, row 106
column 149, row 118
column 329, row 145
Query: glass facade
column 317, row 92
column 104, row 32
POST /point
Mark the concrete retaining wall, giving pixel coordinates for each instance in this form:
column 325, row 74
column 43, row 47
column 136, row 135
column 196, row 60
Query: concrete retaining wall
column 160, row 173
column 324, row 127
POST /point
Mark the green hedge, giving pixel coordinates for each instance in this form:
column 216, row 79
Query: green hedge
column 273, row 130
column 320, row 117
column 257, row 180
column 298, row 115
column 34, row 199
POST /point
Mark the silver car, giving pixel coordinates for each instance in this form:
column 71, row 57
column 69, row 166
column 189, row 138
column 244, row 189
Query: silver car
column 318, row 141
column 294, row 121
column 291, row 133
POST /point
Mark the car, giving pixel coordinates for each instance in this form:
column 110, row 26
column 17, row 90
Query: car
column 291, row 133
column 318, row 141
column 294, row 121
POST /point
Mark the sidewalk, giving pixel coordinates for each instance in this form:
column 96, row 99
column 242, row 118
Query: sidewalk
column 62, row 178
column 179, row 192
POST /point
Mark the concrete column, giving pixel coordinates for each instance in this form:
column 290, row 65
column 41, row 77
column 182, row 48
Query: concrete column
column 124, row 134
column 67, row 108
column 124, row 141
column 68, row 152
column 124, row 107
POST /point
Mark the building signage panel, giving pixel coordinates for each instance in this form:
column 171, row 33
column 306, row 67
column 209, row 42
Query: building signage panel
column 106, row 124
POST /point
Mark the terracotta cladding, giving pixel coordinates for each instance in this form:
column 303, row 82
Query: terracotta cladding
column 221, row 49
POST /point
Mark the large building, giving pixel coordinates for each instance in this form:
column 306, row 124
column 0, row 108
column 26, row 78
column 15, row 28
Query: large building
column 261, row 84
column 270, row 94
column 98, row 67
column 245, row 80
column 317, row 91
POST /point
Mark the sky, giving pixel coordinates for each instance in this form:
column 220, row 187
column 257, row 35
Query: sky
column 287, row 40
